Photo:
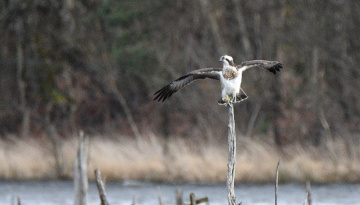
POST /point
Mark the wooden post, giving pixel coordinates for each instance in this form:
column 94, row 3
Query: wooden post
column 80, row 171
column 101, row 187
column 192, row 199
column 179, row 198
column 308, row 193
column 133, row 201
column 276, row 181
column 232, row 156
column 159, row 195
column 202, row 200
column 15, row 201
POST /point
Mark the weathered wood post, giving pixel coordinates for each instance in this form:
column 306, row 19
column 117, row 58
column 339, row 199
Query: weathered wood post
column 101, row 188
column 276, row 181
column 192, row 199
column 179, row 197
column 15, row 201
column 232, row 156
column 80, row 171
column 308, row 193
column 159, row 195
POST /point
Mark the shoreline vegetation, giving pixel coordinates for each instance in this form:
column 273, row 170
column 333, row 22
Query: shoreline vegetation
column 151, row 158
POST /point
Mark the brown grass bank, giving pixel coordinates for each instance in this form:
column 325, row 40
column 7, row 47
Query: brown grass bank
column 185, row 160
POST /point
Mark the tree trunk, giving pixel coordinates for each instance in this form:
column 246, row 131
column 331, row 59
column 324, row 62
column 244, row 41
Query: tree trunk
column 25, row 126
column 243, row 31
column 220, row 44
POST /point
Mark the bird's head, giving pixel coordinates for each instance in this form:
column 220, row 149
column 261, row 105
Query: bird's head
column 227, row 60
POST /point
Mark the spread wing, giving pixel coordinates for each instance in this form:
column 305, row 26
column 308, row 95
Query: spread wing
column 271, row 66
column 181, row 82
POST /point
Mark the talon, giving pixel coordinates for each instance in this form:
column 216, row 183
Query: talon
column 226, row 101
column 221, row 102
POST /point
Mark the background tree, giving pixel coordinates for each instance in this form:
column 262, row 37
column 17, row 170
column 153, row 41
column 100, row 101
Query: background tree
column 95, row 65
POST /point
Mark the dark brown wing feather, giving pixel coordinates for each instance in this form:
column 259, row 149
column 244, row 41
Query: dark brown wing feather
column 167, row 91
column 271, row 66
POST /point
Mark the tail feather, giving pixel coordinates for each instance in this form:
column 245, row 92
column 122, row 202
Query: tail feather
column 241, row 96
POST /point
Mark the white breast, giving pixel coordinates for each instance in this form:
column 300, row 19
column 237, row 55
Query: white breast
column 230, row 87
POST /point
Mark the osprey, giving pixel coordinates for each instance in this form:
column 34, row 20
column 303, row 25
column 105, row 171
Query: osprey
column 230, row 76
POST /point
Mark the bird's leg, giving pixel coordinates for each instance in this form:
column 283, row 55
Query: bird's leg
column 230, row 100
column 233, row 98
column 228, row 104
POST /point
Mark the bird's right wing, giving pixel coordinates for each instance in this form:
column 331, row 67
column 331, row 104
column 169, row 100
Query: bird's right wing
column 181, row 82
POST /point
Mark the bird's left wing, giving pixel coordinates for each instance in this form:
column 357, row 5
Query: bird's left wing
column 271, row 66
column 181, row 82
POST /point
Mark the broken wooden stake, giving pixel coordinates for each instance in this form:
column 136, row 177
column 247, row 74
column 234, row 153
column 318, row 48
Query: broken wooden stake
column 101, row 187
column 80, row 171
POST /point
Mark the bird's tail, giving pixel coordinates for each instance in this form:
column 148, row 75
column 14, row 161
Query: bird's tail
column 241, row 96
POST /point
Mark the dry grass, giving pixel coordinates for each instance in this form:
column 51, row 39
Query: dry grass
column 184, row 160
column 23, row 159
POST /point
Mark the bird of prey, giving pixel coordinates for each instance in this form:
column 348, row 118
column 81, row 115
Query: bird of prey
column 230, row 76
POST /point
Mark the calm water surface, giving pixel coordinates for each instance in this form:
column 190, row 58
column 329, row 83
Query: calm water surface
column 61, row 193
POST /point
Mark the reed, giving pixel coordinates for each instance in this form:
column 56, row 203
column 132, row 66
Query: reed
column 122, row 158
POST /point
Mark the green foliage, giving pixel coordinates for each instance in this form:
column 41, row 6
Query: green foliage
column 120, row 12
column 126, row 12
column 47, row 85
column 58, row 97
column 131, row 47
column 264, row 126
column 45, row 75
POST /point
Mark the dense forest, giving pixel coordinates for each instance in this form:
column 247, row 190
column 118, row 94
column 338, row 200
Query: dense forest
column 95, row 65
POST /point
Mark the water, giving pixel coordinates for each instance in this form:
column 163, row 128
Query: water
column 61, row 193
